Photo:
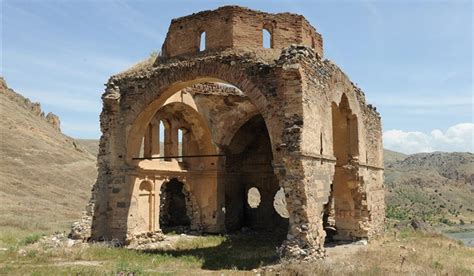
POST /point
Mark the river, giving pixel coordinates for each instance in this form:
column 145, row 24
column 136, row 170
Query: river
column 466, row 237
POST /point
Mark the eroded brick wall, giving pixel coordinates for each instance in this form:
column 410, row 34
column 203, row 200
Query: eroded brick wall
column 240, row 28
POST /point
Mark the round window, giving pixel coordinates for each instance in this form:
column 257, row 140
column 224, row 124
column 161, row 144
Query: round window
column 253, row 197
column 279, row 203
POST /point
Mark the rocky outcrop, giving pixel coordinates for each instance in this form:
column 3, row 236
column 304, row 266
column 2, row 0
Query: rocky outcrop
column 53, row 119
column 33, row 107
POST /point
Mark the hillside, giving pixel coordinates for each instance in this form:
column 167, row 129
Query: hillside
column 391, row 156
column 91, row 145
column 435, row 186
column 45, row 176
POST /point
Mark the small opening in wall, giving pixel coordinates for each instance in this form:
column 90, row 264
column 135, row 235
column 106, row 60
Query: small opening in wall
column 180, row 144
column 202, row 42
column 267, row 38
column 279, row 203
column 253, row 198
column 321, row 146
column 142, row 148
column 161, row 137
column 321, row 143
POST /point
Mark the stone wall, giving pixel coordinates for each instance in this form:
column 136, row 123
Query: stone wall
column 239, row 28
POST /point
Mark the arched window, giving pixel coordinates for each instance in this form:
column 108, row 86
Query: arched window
column 161, row 139
column 202, row 42
column 142, row 148
column 180, row 144
column 267, row 38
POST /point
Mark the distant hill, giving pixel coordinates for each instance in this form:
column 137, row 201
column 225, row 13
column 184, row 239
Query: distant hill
column 91, row 145
column 391, row 156
column 434, row 186
column 45, row 176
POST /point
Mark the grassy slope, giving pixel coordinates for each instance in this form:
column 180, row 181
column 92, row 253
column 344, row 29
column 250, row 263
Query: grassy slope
column 91, row 145
column 45, row 176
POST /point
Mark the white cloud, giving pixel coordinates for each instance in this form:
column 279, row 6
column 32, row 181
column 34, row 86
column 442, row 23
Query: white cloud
column 456, row 138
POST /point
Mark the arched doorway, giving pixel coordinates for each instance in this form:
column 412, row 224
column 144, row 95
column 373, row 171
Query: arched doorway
column 340, row 214
column 174, row 205
column 251, row 184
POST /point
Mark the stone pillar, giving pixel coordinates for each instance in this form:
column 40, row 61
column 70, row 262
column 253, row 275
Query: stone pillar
column 306, row 182
column 168, row 142
column 155, row 139
column 174, row 141
column 159, row 181
column 185, row 140
column 147, row 142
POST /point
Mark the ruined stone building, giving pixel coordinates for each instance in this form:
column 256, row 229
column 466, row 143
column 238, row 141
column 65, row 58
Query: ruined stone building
column 239, row 107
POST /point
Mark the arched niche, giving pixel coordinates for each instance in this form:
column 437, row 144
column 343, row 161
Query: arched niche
column 146, row 205
column 341, row 216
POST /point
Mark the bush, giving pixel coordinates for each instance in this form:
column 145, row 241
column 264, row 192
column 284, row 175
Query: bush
column 30, row 239
column 396, row 213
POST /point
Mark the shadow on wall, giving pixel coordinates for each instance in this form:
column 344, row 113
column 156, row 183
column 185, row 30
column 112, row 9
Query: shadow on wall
column 243, row 252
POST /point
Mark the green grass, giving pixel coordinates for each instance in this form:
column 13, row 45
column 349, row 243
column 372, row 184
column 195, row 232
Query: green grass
column 242, row 252
column 434, row 254
column 213, row 252
column 30, row 239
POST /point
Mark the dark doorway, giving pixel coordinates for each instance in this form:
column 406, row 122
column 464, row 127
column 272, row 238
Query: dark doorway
column 173, row 206
column 251, row 184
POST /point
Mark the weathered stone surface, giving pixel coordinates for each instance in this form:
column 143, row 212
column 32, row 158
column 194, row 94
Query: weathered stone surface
column 233, row 117
column 53, row 119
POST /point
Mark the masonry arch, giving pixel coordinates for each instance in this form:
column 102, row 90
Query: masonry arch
column 343, row 90
column 164, row 90
column 341, row 212
column 169, row 83
column 196, row 136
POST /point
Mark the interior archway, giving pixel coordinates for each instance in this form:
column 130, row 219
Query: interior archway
column 209, row 186
column 248, row 168
column 184, row 79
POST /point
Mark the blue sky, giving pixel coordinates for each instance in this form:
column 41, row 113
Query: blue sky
column 413, row 59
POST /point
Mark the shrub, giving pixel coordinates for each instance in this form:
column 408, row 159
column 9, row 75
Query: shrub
column 31, row 239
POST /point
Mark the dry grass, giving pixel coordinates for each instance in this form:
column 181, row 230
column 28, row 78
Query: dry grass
column 410, row 253
column 45, row 176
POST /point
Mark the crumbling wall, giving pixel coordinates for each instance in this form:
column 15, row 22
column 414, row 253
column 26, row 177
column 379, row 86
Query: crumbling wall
column 239, row 28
